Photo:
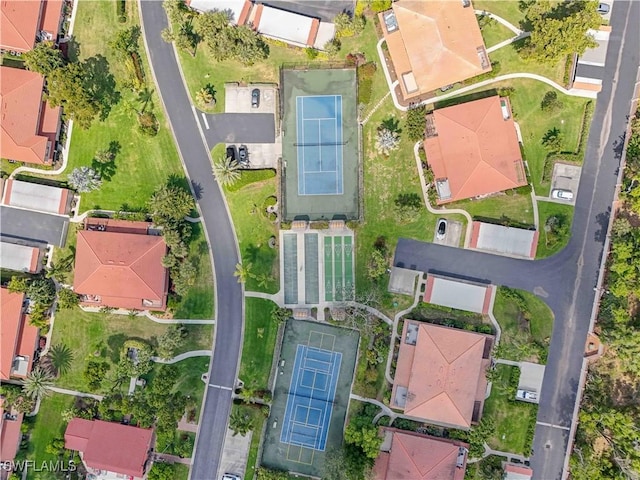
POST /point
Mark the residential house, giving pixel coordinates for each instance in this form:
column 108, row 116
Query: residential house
column 433, row 44
column 30, row 126
column 20, row 258
column 111, row 450
column 36, row 196
column 10, row 435
column 517, row 472
column 18, row 339
column 119, row 265
column 440, row 374
column 473, row 149
column 412, row 456
column 25, row 22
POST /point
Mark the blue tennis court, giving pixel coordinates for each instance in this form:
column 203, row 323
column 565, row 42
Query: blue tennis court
column 319, row 144
column 310, row 399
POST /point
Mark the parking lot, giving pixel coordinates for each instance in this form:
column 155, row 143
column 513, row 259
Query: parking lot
column 237, row 99
column 565, row 177
column 452, row 234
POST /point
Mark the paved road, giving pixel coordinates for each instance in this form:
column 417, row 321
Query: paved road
column 229, row 300
column 240, row 128
column 26, row 226
column 565, row 281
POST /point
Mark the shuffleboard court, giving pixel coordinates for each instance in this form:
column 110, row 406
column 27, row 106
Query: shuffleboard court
column 290, row 269
column 319, row 145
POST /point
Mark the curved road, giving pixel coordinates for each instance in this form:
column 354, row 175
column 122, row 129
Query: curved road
column 222, row 241
column 567, row 280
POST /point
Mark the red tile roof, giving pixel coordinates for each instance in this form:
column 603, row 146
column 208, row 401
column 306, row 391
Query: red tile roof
column 9, row 434
column 443, row 373
column 17, row 337
column 122, row 268
column 110, row 446
column 411, row 456
column 29, row 125
column 21, row 20
column 476, row 149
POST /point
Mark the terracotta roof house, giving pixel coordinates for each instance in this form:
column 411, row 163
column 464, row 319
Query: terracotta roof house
column 23, row 22
column 18, row 339
column 517, row 472
column 119, row 265
column 30, row 127
column 110, row 448
column 440, row 375
column 433, row 44
column 10, row 435
column 473, row 149
column 412, row 456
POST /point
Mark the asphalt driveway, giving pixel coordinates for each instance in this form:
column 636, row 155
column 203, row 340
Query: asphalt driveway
column 19, row 224
column 239, row 128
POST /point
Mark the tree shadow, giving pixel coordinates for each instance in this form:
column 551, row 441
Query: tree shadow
column 114, row 147
column 602, row 219
column 105, row 170
column 392, row 124
column 71, row 49
column 101, row 83
column 178, row 181
column 197, row 189
column 115, row 343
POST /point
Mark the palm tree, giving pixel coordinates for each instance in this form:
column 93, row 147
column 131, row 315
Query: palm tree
column 242, row 272
column 61, row 357
column 263, row 280
column 226, row 171
column 241, row 423
column 204, row 96
column 37, row 384
column 145, row 97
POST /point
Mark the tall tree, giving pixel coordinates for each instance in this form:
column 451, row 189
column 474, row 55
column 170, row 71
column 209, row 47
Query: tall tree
column 37, row 384
column 84, row 179
column 226, row 171
column 243, row 271
column 170, row 203
column 43, row 58
column 67, row 299
column 61, row 357
column 240, row 422
column 66, row 87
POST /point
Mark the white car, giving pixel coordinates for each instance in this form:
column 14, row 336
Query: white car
column 231, row 476
column 560, row 194
column 526, row 395
column 441, row 231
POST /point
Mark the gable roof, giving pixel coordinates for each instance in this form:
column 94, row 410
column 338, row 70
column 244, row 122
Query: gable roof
column 475, row 149
column 25, row 116
column 19, row 21
column 437, row 43
column 411, row 456
column 10, row 434
column 444, row 374
column 123, row 267
column 110, row 446
column 11, row 318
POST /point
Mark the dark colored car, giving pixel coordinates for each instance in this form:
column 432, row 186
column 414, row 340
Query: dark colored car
column 231, row 153
column 243, row 157
column 442, row 229
column 255, row 98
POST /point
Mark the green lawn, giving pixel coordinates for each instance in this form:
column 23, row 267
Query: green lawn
column 511, row 62
column 47, row 425
column 260, row 333
column 548, row 244
column 384, row 180
column 493, row 32
column 507, row 9
column 99, row 336
column 526, row 322
column 143, row 162
column 512, row 418
column 517, row 208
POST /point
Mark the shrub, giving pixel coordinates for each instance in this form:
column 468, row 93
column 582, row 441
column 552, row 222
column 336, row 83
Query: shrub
column 333, row 46
column 311, row 52
column 551, row 102
column 121, row 9
column 415, row 123
column 251, row 176
column 365, row 82
column 148, row 124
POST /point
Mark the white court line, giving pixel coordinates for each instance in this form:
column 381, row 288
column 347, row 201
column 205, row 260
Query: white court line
column 204, row 118
column 304, row 184
column 221, row 387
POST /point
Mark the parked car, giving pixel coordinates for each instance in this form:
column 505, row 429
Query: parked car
column 526, row 395
column 441, row 231
column 231, row 153
column 243, row 155
column 603, row 8
column 231, row 476
column 561, row 194
column 255, row 98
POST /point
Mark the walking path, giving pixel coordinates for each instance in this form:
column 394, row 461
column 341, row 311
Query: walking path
column 182, row 356
column 508, row 41
column 439, row 211
column 75, row 393
column 387, row 411
column 507, row 362
column 500, row 20
column 166, row 458
column 377, row 106
column 153, row 318
column 276, row 298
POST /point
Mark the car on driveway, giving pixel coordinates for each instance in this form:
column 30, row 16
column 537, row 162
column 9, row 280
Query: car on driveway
column 560, row 194
column 255, row 98
column 441, row 231
column 603, row 8
column 526, row 395
column 231, row 476
column 231, row 153
column 243, row 155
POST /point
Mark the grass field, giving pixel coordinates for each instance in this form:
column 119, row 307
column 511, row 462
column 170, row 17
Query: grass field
column 47, row 425
column 260, row 332
column 143, row 162
column 100, row 337
column 550, row 244
column 526, row 324
column 516, row 207
column 512, row 418
column 507, row 9
column 494, row 32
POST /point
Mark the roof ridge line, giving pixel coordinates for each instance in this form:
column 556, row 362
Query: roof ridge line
column 139, row 258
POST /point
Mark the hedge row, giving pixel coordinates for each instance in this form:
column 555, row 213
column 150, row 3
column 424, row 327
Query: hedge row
column 365, row 82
